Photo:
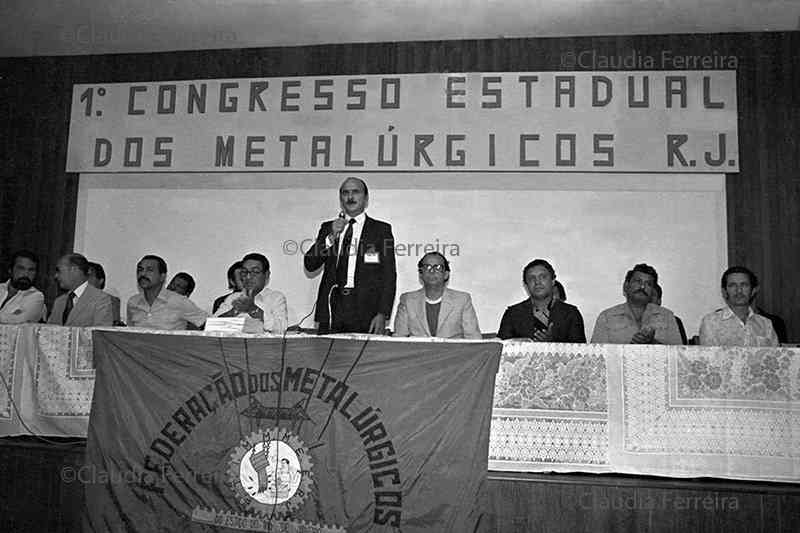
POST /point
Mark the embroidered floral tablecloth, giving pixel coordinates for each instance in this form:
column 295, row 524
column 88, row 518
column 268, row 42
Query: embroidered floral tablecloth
column 678, row 411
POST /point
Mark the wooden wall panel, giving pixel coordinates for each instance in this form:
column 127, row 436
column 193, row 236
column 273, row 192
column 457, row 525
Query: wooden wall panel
column 763, row 198
column 39, row 493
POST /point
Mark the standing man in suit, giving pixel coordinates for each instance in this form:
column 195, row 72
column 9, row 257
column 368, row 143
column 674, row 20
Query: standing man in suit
column 435, row 310
column 358, row 284
column 82, row 305
column 541, row 317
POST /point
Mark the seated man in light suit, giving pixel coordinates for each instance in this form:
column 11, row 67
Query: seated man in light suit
column 82, row 305
column 435, row 310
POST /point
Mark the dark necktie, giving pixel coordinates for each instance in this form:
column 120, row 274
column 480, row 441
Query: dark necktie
column 344, row 255
column 68, row 307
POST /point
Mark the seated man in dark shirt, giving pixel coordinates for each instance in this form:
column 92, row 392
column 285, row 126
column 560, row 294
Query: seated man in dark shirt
column 234, row 284
column 658, row 292
column 559, row 292
column 541, row 317
column 777, row 324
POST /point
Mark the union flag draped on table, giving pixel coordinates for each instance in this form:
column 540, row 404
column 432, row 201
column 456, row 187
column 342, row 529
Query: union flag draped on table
column 307, row 434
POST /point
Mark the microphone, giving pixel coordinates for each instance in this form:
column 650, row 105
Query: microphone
column 297, row 327
column 334, row 232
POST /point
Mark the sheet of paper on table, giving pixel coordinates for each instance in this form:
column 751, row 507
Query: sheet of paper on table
column 234, row 324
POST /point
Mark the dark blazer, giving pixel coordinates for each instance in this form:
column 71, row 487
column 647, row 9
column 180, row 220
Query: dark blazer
column 218, row 302
column 375, row 283
column 93, row 308
column 518, row 322
column 777, row 324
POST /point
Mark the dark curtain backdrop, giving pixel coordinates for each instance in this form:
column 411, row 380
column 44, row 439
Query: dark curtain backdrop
column 38, row 199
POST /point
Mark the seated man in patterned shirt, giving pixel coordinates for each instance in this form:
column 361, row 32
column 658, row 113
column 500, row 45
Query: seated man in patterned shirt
column 737, row 324
column 638, row 320
column 157, row 307
column 255, row 300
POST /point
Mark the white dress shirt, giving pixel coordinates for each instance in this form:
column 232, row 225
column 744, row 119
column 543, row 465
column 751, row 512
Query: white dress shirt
column 78, row 291
column 272, row 303
column 358, row 227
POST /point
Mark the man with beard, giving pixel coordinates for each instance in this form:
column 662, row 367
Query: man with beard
column 737, row 324
column 638, row 320
column 541, row 317
column 82, row 305
column 358, row 284
column 157, row 307
column 255, row 301
column 20, row 301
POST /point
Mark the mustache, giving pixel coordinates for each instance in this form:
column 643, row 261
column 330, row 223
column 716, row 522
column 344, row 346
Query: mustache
column 22, row 282
column 145, row 278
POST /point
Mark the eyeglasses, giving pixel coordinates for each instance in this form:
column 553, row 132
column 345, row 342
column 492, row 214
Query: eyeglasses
column 432, row 268
column 246, row 273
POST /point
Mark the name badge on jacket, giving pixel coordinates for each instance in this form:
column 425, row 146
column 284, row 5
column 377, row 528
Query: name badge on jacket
column 371, row 258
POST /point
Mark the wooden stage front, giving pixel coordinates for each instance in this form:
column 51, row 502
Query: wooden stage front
column 36, row 496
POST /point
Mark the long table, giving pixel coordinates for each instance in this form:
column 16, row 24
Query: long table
column 677, row 411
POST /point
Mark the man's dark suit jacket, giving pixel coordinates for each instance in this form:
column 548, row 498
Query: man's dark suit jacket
column 375, row 283
column 518, row 322
column 777, row 324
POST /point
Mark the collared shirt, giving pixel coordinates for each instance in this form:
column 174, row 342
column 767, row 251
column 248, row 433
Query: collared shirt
column 170, row 310
column 24, row 306
column 358, row 227
column 78, row 291
column 723, row 327
column 617, row 325
column 273, row 303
